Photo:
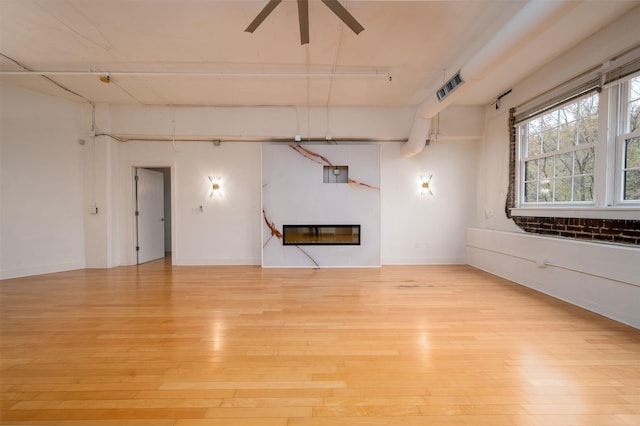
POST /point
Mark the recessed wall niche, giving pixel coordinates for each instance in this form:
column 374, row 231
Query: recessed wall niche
column 335, row 174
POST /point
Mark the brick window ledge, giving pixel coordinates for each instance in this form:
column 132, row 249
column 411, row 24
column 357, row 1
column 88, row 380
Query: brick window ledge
column 615, row 213
column 621, row 231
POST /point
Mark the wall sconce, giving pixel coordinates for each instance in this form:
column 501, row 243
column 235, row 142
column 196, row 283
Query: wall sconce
column 216, row 188
column 425, row 185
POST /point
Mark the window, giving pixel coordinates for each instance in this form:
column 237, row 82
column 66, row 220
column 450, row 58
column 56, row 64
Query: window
column 574, row 157
column 558, row 153
column 576, row 148
column 629, row 139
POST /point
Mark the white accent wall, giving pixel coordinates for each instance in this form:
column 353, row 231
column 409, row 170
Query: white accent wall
column 41, row 184
column 604, row 278
column 294, row 193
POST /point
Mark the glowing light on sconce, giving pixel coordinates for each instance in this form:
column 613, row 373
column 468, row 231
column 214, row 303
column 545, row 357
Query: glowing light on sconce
column 425, row 185
column 216, row 187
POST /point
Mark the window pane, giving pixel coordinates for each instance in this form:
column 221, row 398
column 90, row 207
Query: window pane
column 583, row 188
column 535, row 126
column 588, row 129
column 632, row 185
column 568, row 135
column 534, row 144
column 583, row 164
column 565, row 176
column 550, row 120
column 531, row 170
column 632, row 153
column 562, row 190
column 544, row 194
column 564, row 164
column 634, row 88
column 545, row 166
column 531, row 192
column 633, row 111
column 588, row 106
column 550, row 140
column 634, row 116
column 568, row 114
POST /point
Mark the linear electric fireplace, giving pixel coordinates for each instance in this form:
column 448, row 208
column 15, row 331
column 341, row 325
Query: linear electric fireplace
column 321, row 235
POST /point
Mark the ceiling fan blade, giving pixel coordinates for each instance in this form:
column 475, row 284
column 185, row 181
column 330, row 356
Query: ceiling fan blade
column 342, row 13
column 303, row 17
column 262, row 15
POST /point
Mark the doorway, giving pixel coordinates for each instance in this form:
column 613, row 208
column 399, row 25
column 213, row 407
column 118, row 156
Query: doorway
column 152, row 210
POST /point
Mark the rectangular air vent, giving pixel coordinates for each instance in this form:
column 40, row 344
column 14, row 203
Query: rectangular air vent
column 445, row 90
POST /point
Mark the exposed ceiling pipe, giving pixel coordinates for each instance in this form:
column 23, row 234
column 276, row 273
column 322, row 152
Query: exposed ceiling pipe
column 360, row 74
column 532, row 19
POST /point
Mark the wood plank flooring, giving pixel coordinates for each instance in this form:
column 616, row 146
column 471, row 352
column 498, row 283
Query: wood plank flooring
column 156, row 345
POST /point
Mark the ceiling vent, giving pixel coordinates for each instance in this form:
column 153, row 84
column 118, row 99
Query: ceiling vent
column 445, row 90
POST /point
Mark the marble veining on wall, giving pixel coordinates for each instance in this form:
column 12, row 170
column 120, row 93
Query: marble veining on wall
column 294, row 192
column 275, row 232
column 322, row 160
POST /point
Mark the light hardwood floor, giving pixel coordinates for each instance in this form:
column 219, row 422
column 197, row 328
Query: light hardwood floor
column 156, row 345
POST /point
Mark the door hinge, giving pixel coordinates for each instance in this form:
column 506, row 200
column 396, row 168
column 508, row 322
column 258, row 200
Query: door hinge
column 137, row 248
column 137, row 213
column 136, row 177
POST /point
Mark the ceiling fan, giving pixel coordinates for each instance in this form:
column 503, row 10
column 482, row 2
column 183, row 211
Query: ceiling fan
column 303, row 17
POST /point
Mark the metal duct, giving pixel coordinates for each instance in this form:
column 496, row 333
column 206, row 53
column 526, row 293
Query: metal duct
column 532, row 19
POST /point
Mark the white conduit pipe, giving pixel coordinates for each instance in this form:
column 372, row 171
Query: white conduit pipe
column 532, row 19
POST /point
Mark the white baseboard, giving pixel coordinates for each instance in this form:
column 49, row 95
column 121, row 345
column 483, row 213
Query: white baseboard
column 217, row 262
column 41, row 269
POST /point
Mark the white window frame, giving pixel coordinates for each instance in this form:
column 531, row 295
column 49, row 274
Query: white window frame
column 521, row 140
column 621, row 94
column 608, row 177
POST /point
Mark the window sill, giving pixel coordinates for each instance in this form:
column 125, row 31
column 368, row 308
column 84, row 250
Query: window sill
column 618, row 212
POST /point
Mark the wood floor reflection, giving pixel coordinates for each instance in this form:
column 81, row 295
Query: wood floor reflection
column 156, row 345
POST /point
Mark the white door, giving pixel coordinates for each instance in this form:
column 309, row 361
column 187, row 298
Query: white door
column 149, row 190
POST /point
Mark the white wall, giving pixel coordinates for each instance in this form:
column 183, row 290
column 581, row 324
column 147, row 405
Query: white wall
column 581, row 272
column 224, row 231
column 40, row 133
column 413, row 230
column 293, row 193
column 41, row 178
column 603, row 279
column 431, row 229
column 262, row 122
column 101, row 181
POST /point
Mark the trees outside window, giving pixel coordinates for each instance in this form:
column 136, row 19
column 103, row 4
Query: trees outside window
column 566, row 159
column 559, row 153
column 631, row 145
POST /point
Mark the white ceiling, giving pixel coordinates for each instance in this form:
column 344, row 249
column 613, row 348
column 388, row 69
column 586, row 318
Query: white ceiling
column 418, row 43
